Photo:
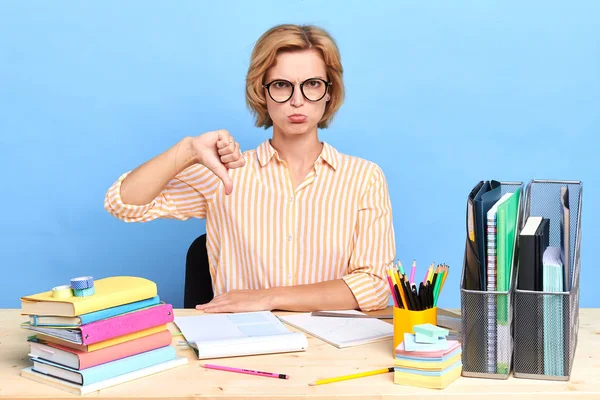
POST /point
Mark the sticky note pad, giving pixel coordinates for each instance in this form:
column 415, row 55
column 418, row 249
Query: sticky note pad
column 421, row 338
column 431, row 330
column 410, row 344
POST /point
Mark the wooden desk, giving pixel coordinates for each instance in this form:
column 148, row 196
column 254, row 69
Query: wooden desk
column 321, row 360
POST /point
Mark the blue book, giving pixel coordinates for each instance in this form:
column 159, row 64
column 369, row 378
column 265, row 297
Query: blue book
column 68, row 322
column 105, row 371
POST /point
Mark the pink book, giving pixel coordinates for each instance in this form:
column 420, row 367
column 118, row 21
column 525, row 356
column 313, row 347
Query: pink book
column 78, row 359
column 109, row 328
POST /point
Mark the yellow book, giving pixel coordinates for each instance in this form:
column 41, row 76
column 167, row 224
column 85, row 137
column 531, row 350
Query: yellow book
column 105, row 343
column 109, row 292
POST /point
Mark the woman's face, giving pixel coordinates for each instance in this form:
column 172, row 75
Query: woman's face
column 297, row 114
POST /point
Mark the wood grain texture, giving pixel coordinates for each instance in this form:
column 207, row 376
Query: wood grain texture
column 320, row 361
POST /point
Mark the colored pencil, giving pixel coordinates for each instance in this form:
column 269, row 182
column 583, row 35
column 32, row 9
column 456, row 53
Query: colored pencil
column 352, row 376
column 247, row 371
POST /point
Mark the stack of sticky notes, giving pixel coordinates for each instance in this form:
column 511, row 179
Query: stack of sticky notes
column 93, row 334
column 426, row 358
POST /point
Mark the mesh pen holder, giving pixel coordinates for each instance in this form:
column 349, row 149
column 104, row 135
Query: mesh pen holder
column 487, row 317
column 547, row 323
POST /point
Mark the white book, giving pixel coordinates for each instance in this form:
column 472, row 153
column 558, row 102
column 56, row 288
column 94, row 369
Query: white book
column 339, row 331
column 239, row 334
column 29, row 373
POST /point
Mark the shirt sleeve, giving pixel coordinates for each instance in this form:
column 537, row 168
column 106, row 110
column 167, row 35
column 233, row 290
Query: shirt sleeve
column 186, row 196
column 374, row 247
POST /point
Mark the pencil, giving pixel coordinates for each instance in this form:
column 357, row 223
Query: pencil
column 430, row 272
column 436, row 288
column 247, row 371
column 353, row 376
column 426, row 275
column 400, row 288
column 447, row 269
column 412, row 272
column 400, row 268
column 395, row 283
column 391, row 284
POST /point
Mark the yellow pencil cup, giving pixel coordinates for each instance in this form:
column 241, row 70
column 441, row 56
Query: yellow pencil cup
column 405, row 321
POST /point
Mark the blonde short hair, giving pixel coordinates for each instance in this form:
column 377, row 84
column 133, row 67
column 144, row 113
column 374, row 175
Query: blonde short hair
column 288, row 37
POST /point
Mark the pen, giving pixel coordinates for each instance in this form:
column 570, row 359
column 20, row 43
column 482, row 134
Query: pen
column 417, row 299
column 408, row 293
column 397, row 291
column 353, row 376
column 247, row 371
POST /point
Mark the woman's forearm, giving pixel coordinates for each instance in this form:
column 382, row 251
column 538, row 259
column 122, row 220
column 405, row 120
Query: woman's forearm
column 144, row 183
column 328, row 295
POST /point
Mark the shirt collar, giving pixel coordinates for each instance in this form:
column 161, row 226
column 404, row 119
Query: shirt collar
column 265, row 153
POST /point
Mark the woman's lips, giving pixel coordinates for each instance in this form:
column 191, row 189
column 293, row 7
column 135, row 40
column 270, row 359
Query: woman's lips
column 297, row 118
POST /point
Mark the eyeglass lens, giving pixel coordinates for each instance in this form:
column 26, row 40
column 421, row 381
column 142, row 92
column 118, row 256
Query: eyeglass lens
column 313, row 90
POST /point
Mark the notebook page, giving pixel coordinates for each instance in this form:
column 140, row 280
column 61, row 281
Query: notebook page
column 340, row 331
column 210, row 327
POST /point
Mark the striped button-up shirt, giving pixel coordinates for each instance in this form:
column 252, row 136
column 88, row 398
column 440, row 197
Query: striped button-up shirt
column 337, row 224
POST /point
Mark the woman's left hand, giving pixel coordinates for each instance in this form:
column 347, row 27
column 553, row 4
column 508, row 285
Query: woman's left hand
column 238, row 301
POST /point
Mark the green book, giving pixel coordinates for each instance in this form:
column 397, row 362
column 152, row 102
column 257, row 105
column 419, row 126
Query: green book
column 506, row 225
column 507, row 217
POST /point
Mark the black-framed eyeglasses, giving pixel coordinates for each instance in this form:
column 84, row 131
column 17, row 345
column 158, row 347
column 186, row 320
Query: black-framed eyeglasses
column 313, row 89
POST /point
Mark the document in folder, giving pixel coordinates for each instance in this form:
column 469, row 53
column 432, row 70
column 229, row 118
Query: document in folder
column 482, row 206
column 565, row 223
column 481, row 199
column 472, row 266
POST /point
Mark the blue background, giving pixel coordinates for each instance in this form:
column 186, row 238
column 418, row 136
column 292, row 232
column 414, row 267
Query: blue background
column 439, row 94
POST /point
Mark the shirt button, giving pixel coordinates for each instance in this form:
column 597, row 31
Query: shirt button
column 290, row 238
column 289, row 276
column 291, row 199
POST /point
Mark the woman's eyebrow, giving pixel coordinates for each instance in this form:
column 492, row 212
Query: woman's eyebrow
column 293, row 81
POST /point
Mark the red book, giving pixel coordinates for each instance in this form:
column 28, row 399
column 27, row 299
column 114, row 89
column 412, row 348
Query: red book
column 78, row 359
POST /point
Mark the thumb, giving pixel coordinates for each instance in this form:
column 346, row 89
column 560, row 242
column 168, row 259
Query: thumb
column 223, row 174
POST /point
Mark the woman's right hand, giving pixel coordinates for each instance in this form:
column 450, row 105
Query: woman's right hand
column 219, row 152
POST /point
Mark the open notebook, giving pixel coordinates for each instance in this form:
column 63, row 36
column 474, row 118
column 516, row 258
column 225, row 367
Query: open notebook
column 239, row 334
column 341, row 332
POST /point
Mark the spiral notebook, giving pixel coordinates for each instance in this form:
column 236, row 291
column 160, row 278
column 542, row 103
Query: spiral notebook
column 341, row 332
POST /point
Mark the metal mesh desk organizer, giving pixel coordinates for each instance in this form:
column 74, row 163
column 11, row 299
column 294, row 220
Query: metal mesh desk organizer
column 519, row 285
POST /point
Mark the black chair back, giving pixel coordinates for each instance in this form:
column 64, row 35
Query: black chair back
column 198, row 283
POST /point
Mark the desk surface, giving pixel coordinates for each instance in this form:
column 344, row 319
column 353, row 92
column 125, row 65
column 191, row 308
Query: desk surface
column 321, row 360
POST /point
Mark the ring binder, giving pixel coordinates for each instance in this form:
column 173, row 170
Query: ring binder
column 487, row 315
column 547, row 323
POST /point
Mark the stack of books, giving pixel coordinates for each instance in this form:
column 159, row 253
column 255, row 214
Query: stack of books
column 427, row 358
column 91, row 335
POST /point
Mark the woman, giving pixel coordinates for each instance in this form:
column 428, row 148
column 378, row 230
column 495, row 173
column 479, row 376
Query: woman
column 294, row 224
